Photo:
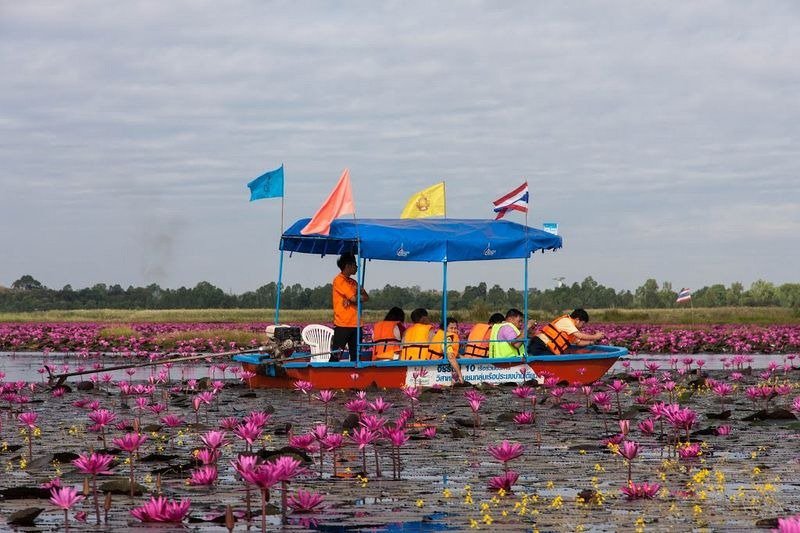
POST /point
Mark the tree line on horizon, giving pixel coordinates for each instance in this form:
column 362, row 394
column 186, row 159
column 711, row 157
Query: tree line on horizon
column 27, row 294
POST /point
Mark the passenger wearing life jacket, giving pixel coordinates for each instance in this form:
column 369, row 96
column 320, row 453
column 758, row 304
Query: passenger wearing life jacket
column 557, row 336
column 478, row 340
column 387, row 334
column 507, row 338
column 417, row 338
column 437, row 347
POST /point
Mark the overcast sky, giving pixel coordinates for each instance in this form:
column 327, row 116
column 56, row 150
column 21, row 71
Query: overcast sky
column 661, row 136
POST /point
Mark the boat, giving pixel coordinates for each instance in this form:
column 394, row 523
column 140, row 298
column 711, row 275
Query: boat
column 433, row 241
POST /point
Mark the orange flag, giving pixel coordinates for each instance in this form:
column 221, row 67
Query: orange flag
column 338, row 203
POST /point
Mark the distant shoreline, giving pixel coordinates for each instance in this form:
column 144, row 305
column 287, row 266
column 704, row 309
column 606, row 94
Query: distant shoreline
column 684, row 316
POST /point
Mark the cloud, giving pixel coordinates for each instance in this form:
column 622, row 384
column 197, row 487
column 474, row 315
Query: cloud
column 621, row 117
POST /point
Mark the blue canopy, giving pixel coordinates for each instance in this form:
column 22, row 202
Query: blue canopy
column 429, row 240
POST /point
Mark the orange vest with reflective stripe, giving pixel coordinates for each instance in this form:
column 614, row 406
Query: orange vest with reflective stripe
column 557, row 341
column 478, row 342
column 437, row 344
column 417, row 343
column 386, row 343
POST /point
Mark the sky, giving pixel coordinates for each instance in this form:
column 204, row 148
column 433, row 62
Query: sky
column 662, row 137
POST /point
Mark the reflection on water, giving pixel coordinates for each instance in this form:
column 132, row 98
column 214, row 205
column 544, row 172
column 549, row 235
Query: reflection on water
column 28, row 366
column 432, row 522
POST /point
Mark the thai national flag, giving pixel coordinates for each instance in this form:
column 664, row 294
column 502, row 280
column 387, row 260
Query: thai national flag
column 516, row 200
column 684, row 296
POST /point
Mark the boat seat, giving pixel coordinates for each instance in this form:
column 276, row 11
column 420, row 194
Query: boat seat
column 318, row 338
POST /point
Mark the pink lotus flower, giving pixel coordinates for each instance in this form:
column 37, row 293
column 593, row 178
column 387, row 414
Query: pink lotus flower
column 206, row 475
column 397, row 437
column 172, row 421
column 305, row 501
column 362, row 437
column 380, row 406
column 130, row 442
column 689, row 451
column 504, row 482
column 640, row 491
column 214, row 439
column 723, row 431
column 722, row 389
column 249, row 432
column 325, row 396
column 207, row 456
column 28, row 419
column 629, row 450
column 789, row 524
column 303, row 442
column 624, row 426
column 523, row 392
column 303, row 386
column 506, row 451
column 64, row 497
column 96, row 463
column 258, row 418
column 570, row 407
column 429, row 432
column 524, row 418
column 412, row 393
column 372, row 422
column 796, row 405
column 228, row 423
column 647, row 426
column 159, row 509
column 602, row 399
column 333, row 441
column 356, row 405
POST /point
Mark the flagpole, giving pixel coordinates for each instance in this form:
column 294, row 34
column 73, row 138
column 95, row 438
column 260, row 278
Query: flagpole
column 282, row 199
column 444, row 189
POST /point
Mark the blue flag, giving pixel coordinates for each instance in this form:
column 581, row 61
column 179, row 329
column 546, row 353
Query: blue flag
column 269, row 185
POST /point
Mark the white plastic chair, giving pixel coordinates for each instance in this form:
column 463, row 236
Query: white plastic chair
column 318, row 338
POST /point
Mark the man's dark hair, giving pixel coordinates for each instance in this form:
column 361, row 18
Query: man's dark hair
column 496, row 318
column 395, row 314
column 450, row 320
column 346, row 259
column 580, row 314
column 511, row 313
column 417, row 314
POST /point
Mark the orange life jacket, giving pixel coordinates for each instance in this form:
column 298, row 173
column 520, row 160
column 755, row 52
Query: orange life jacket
column 478, row 341
column 417, row 343
column 557, row 341
column 386, row 343
column 437, row 344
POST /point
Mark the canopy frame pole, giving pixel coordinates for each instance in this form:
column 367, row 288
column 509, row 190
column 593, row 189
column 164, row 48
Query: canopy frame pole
column 359, row 283
column 278, row 287
column 525, row 304
column 444, row 309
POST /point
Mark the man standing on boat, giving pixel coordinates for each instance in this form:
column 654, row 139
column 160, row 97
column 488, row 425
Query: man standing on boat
column 506, row 338
column 345, row 308
column 563, row 332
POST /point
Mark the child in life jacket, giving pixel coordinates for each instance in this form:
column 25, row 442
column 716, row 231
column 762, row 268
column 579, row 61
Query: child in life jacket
column 437, row 348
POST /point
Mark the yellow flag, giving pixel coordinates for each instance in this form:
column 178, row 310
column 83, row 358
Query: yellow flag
column 426, row 203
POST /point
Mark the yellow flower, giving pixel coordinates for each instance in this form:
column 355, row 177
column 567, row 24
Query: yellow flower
column 446, row 493
column 557, row 502
column 582, row 452
column 697, row 510
column 420, row 503
column 756, row 471
column 550, row 485
column 487, row 519
column 599, row 468
column 23, row 463
column 473, row 524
